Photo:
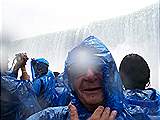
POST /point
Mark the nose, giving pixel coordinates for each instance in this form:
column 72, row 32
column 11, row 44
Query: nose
column 90, row 74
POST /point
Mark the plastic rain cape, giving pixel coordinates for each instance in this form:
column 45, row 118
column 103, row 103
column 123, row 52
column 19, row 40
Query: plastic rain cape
column 44, row 86
column 143, row 101
column 17, row 98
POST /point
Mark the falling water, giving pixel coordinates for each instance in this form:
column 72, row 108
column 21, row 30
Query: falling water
column 134, row 33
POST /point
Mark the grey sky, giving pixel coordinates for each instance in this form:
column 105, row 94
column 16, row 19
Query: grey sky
column 27, row 18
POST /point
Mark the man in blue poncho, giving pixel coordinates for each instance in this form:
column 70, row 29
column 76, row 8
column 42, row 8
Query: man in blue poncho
column 135, row 74
column 91, row 75
column 43, row 83
column 18, row 101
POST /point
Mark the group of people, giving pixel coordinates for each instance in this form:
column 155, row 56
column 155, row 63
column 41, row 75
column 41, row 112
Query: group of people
column 90, row 88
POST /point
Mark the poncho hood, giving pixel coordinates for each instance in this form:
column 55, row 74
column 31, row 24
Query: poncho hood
column 97, row 52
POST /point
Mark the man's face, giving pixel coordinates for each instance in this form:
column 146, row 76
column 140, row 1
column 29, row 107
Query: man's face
column 88, row 87
column 40, row 69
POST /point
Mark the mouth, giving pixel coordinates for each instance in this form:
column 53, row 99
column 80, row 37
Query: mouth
column 92, row 89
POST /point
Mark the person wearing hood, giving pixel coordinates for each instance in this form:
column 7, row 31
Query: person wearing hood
column 43, row 83
column 18, row 101
column 135, row 74
column 91, row 75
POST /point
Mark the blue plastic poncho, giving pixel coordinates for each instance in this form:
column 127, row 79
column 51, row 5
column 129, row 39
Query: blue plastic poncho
column 143, row 101
column 111, row 84
column 64, row 94
column 11, row 73
column 43, row 83
column 18, row 101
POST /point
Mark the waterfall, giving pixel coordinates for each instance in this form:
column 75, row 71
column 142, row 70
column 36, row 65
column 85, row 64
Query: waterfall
column 134, row 33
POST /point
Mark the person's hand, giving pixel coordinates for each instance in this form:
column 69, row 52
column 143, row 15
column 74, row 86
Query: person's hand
column 100, row 113
column 73, row 112
column 21, row 59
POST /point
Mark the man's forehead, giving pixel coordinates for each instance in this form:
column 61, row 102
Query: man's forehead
column 83, row 56
column 77, row 69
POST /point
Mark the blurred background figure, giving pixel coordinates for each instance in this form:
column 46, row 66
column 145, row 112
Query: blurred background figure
column 135, row 75
column 18, row 101
column 43, row 82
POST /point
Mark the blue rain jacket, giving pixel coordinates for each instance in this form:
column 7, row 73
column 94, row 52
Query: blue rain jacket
column 44, row 86
column 112, row 86
column 143, row 101
column 18, row 101
column 64, row 94
column 10, row 73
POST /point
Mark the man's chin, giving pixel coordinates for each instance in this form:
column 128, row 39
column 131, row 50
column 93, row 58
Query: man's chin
column 91, row 100
column 93, row 105
column 94, row 101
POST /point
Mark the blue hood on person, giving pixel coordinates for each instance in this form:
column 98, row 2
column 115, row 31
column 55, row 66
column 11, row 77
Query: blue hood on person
column 112, row 82
column 36, row 64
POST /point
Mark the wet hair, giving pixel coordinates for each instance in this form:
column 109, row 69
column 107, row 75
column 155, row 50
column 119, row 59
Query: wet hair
column 134, row 71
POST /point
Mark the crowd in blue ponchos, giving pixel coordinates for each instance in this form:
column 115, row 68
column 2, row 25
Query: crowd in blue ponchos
column 46, row 97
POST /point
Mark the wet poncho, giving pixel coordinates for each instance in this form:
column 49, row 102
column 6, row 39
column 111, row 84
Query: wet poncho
column 43, row 84
column 18, row 100
column 112, row 85
column 11, row 73
column 143, row 101
column 64, row 94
